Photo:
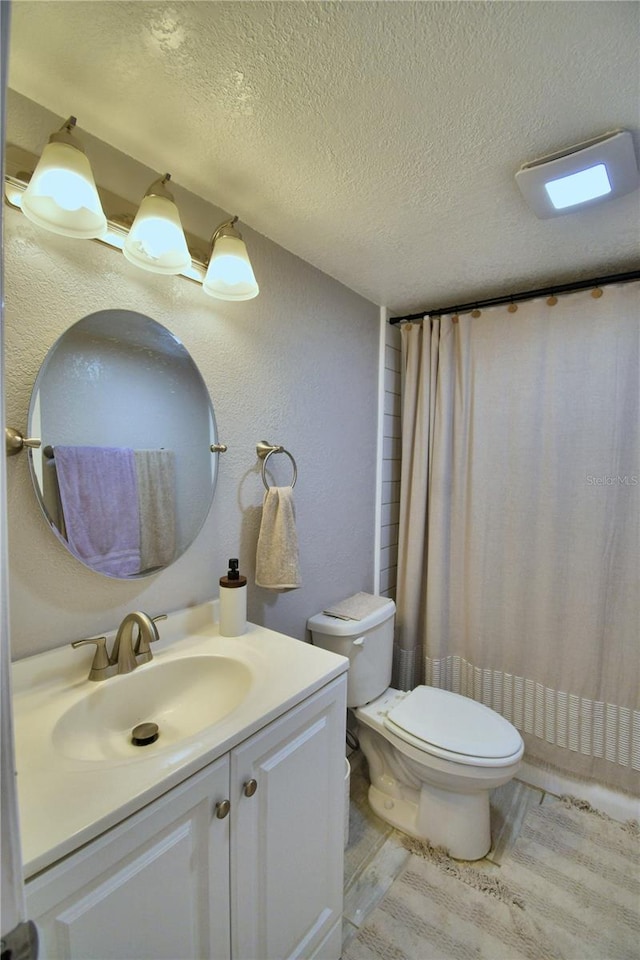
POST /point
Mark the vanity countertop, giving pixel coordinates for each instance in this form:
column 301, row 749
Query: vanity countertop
column 67, row 799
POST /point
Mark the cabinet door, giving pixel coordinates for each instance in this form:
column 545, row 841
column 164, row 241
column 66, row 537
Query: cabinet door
column 156, row 886
column 287, row 838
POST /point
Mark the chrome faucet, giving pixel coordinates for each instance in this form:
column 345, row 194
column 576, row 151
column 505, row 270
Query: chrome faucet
column 125, row 656
column 123, row 653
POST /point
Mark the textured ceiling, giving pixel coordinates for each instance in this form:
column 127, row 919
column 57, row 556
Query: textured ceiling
column 378, row 141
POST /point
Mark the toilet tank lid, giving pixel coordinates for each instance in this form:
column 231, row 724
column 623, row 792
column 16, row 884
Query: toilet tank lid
column 338, row 627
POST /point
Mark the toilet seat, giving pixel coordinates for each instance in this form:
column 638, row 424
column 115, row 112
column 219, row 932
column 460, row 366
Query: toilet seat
column 454, row 727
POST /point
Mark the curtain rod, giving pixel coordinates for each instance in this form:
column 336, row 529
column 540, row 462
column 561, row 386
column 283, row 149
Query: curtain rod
column 549, row 291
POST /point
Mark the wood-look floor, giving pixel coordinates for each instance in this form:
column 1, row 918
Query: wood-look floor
column 375, row 855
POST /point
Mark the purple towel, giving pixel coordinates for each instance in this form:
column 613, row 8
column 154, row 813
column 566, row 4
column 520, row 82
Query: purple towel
column 99, row 495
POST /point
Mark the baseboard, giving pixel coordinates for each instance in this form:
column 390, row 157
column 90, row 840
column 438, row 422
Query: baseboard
column 618, row 806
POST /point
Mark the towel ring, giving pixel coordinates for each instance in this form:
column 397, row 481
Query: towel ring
column 264, row 466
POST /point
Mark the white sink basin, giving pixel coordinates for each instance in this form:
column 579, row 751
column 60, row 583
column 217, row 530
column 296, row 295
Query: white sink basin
column 78, row 772
column 181, row 696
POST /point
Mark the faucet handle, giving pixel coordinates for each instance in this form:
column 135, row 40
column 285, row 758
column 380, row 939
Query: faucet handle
column 101, row 664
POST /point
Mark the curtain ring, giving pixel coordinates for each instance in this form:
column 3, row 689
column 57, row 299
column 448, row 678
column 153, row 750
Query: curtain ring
column 512, row 308
column 552, row 300
column 264, row 467
column 476, row 313
column 596, row 293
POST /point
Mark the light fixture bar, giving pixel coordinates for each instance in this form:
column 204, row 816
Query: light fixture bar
column 120, row 213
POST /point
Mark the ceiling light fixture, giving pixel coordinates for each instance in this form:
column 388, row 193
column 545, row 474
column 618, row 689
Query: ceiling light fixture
column 580, row 176
column 62, row 195
column 229, row 274
column 156, row 240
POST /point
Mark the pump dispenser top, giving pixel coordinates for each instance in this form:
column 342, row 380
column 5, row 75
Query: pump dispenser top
column 233, row 577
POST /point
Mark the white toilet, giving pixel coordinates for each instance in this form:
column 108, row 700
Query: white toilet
column 433, row 755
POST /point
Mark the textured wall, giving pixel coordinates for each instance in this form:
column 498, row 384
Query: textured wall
column 297, row 365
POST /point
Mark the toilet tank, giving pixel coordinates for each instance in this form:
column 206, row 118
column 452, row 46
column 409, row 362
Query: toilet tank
column 368, row 644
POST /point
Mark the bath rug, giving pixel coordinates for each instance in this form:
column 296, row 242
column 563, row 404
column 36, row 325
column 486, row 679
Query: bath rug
column 569, row 889
column 493, row 886
column 631, row 826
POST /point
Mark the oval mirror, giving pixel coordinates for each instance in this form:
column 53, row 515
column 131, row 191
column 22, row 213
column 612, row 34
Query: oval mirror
column 125, row 475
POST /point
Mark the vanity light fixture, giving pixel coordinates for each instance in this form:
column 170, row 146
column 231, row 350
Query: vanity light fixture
column 156, row 240
column 580, row 176
column 62, row 195
column 229, row 274
column 152, row 237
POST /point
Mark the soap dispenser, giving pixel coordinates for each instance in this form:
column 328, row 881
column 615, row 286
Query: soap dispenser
column 233, row 602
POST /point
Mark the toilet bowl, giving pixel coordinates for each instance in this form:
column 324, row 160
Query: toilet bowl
column 433, row 755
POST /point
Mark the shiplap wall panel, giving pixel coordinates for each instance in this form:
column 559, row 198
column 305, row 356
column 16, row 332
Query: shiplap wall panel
column 390, row 464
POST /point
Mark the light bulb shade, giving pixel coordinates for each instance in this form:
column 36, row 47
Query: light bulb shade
column 156, row 241
column 62, row 195
column 230, row 274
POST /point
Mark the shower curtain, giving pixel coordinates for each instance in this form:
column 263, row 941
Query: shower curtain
column 518, row 570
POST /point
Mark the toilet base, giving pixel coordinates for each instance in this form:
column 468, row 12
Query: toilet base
column 460, row 823
column 446, row 805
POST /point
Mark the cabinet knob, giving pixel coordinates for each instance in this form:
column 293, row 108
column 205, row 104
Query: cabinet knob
column 222, row 809
column 250, row 788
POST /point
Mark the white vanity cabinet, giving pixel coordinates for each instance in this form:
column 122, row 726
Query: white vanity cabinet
column 155, row 886
column 179, row 880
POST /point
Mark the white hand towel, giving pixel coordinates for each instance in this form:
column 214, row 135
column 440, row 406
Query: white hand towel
column 277, row 565
column 156, row 472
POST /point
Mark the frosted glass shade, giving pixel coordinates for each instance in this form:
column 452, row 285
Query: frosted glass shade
column 62, row 195
column 230, row 274
column 156, row 241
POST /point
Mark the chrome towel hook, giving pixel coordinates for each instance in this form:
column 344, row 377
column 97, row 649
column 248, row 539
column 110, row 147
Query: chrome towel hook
column 264, row 450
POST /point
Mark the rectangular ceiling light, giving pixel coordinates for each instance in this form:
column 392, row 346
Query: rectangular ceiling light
column 579, row 187
column 580, row 176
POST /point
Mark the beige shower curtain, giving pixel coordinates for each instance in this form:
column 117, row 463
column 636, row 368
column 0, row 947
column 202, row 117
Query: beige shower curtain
column 518, row 573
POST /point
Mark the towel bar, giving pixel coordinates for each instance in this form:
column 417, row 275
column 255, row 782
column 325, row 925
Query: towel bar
column 15, row 442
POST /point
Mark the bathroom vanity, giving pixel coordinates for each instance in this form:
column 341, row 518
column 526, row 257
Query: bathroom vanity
column 222, row 839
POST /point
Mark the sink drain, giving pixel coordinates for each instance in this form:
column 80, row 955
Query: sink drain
column 144, row 734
